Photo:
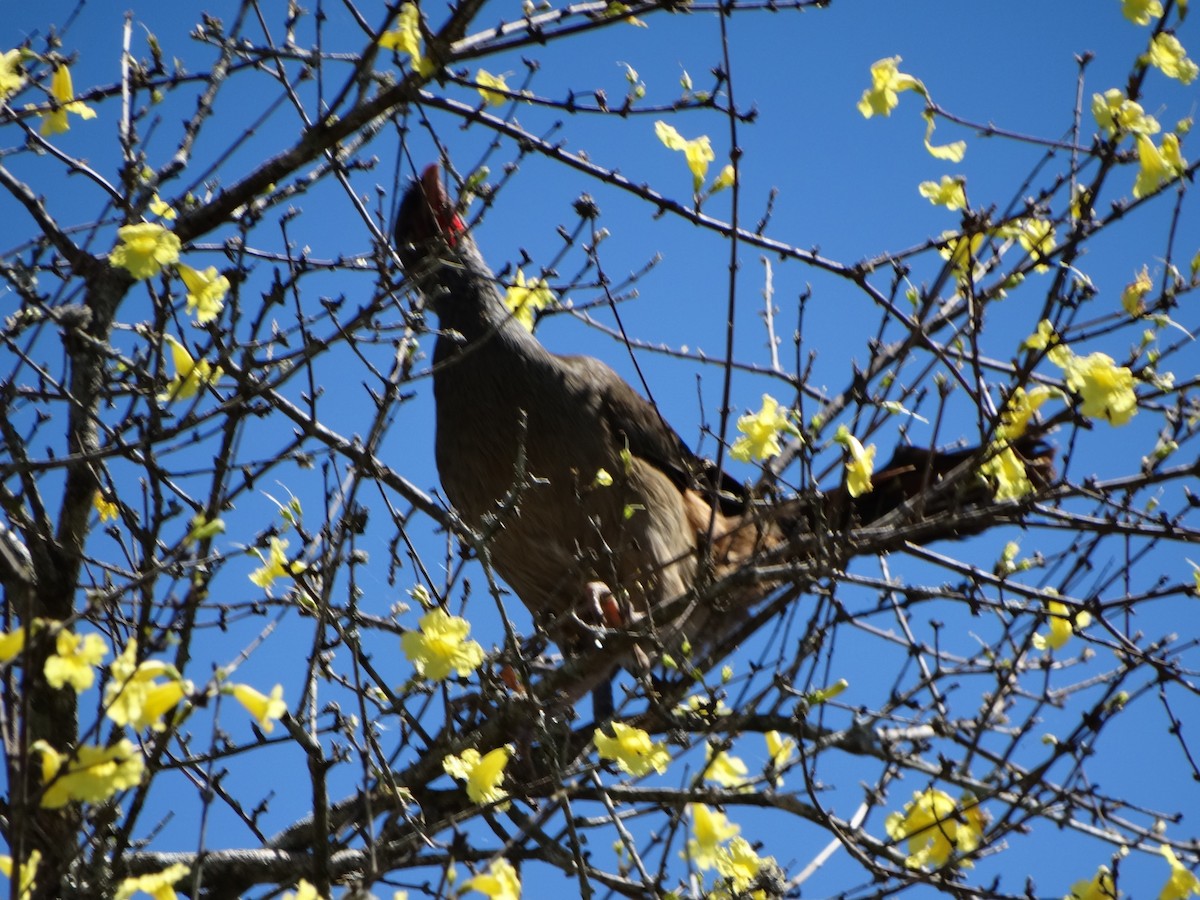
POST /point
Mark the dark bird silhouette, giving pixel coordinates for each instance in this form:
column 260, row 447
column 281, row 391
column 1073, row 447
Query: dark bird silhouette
column 522, row 434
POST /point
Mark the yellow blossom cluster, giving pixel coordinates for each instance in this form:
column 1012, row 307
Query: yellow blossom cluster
column 761, row 431
column 26, row 874
column 265, row 708
column 87, row 774
column 406, row 38
column 861, row 465
column 499, row 882
column 63, row 92
column 632, row 750
column 143, row 249
column 190, row 374
column 490, row 87
column 937, row 830
column 159, row 885
column 1181, row 883
column 205, row 291
column 137, row 694
column 1099, row 887
column 74, row 660
column 714, row 844
column 482, row 773
column 11, row 644
column 1104, row 390
column 887, row 83
column 141, row 694
column 440, row 646
column 698, row 153
column 710, row 830
column 724, row 769
column 1063, row 622
column 275, row 563
column 525, row 299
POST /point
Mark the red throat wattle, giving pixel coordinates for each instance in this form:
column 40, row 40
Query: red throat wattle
column 447, row 220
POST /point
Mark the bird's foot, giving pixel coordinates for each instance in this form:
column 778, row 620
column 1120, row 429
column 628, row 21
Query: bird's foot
column 601, row 606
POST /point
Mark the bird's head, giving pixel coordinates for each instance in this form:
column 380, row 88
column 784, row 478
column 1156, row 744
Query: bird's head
column 427, row 219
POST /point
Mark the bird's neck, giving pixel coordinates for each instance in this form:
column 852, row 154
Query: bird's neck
column 463, row 292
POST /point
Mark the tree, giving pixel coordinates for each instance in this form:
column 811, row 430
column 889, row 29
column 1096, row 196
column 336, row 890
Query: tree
column 235, row 642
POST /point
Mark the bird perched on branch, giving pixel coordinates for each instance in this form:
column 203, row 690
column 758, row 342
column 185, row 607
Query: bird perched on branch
column 589, row 505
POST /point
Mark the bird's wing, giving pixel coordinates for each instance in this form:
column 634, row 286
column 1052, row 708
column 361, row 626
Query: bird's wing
column 650, row 438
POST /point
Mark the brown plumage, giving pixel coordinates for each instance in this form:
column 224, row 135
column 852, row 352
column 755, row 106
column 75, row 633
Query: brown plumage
column 522, row 434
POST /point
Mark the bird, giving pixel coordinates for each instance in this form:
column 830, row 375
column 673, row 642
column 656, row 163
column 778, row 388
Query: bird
column 589, row 506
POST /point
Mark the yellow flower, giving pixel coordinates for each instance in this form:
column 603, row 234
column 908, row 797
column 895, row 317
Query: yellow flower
column 887, row 81
column 1081, row 202
column 206, row 291
column 55, row 121
column 275, row 564
column 1044, row 337
column 406, row 38
column 74, row 660
column 740, row 864
column 26, row 877
column 702, row 705
column 204, row 529
column 698, row 151
column 1181, row 884
column 1036, row 237
column 305, row 891
column 488, row 85
column 1133, row 298
column 88, row 775
column 1156, row 167
column 143, row 249
column 482, row 774
column 727, row 771
column 1019, row 409
column 936, row 828
column 1140, row 12
column 1063, row 623
column 11, row 644
column 1005, row 472
column 264, row 709
column 961, row 251
column 1114, row 113
column 780, row 748
column 710, row 829
column 1105, row 388
column 500, row 881
column 861, row 464
column 1168, row 56
column 952, row 152
column 162, row 209
column 632, row 750
column 134, row 696
column 948, row 193
column 760, row 431
column 105, row 509
column 441, row 647
column 1099, row 887
column 159, row 885
column 190, row 375
column 11, row 78
column 725, row 178
column 524, row 299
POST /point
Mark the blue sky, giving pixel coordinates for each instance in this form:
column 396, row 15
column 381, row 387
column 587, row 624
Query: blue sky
column 846, row 187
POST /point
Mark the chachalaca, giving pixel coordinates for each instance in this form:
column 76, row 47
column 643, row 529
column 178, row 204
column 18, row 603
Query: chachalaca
column 522, row 434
